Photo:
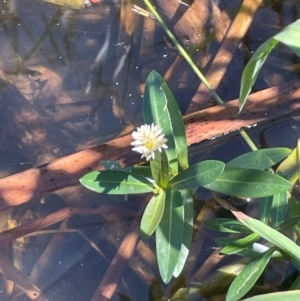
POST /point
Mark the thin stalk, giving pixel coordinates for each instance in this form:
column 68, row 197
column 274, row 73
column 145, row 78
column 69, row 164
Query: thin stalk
column 187, row 57
column 182, row 51
column 248, row 140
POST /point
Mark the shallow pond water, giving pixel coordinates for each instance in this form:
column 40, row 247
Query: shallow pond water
column 71, row 79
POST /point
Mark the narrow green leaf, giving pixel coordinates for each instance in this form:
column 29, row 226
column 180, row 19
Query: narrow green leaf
column 197, row 175
column 248, row 183
column 168, row 235
column 155, row 110
column 289, row 223
column 296, row 284
column 265, row 205
column 242, row 284
column 188, row 204
column 278, row 296
column 289, row 168
column 294, row 211
column 245, row 252
column 116, row 182
column 270, row 234
column 153, row 214
column 290, row 36
column 227, row 225
column 240, row 244
column 177, row 126
column 160, row 169
column 260, row 159
column 278, row 208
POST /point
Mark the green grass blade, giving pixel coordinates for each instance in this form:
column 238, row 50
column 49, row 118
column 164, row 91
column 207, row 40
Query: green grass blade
column 278, row 296
column 242, row 284
column 271, row 235
column 260, row 159
column 168, row 235
column 153, row 214
column 116, row 182
column 226, row 225
column 248, row 183
column 290, row 36
column 197, row 175
column 240, row 244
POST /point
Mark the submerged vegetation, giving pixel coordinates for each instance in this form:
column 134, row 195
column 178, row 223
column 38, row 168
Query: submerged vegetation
column 203, row 226
column 173, row 182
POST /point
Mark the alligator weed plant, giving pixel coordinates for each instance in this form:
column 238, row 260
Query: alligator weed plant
column 172, row 182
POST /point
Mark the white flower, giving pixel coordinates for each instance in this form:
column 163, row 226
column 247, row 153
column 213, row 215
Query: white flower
column 147, row 140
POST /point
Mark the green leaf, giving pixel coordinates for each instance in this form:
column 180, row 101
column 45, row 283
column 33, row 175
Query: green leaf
column 278, row 208
column 168, row 235
column 160, row 169
column 243, row 283
column 294, row 211
column 153, row 214
column 116, row 182
column 260, row 159
column 144, row 171
column 265, row 205
column 270, row 234
column 240, row 244
column 290, row 36
column 248, row 183
column 177, row 126
column 289, row 168
column 296, row 284
column 197, row 175
column 245, row 252
column 155, row 110
column 227, row 225
column 278, row 296
column 293, row 221
column 188, row 204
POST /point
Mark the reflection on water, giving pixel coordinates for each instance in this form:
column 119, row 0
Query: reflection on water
column 71, row 78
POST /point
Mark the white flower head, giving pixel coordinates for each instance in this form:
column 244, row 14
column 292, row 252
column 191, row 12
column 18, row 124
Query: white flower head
column 147, row 140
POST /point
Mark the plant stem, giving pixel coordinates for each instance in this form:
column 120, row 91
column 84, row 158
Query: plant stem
column 182, row 51
column 187, row 57
column 248, row 140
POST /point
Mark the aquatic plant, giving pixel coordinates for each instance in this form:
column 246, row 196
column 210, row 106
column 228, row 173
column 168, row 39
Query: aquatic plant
column 173, row 182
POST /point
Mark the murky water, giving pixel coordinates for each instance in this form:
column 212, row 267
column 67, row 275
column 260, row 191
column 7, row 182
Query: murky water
column 74, row 78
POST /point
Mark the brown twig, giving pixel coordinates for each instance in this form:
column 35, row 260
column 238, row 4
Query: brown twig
column 22, row 281
column 36, row 182
column 56, row 217
column 113, row 274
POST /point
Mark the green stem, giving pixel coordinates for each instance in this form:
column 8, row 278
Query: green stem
column 248, row 140
column 182, row 51
column 187, row 57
